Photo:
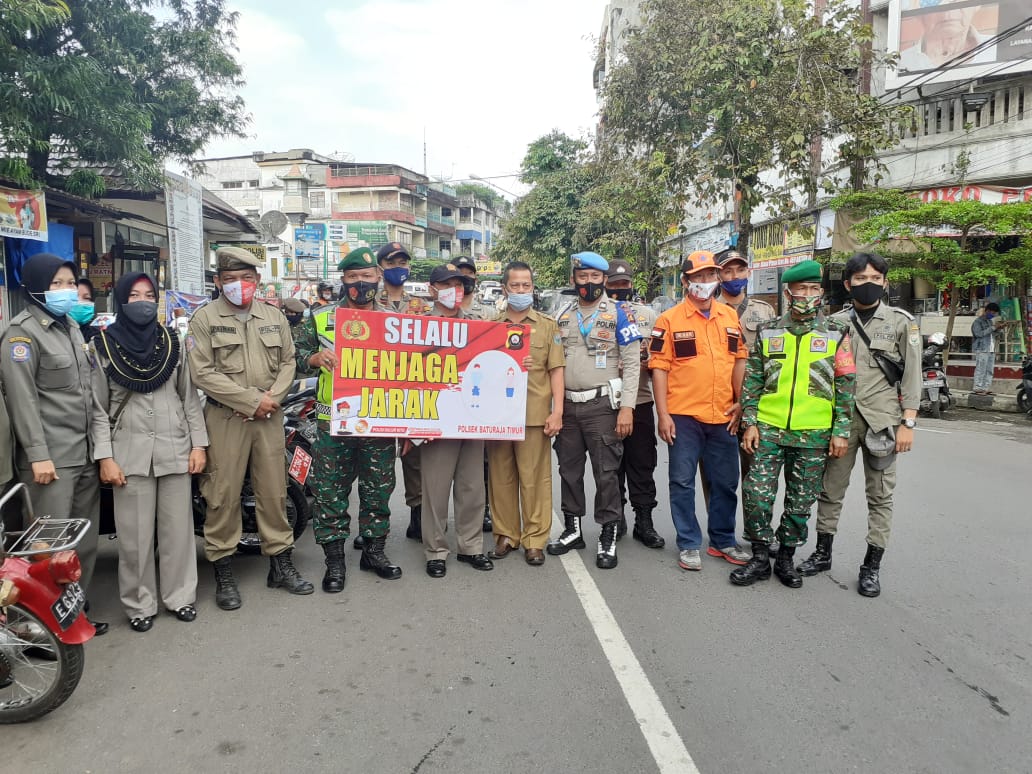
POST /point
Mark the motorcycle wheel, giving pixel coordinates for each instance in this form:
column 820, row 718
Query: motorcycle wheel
column 1024, row 401
column 936, row 409
column 37, row 670
column 297, row 516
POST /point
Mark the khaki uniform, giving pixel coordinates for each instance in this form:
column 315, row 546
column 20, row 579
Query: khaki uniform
column 6, row 445
column 234, row 362
column 520, row 472
column 751, row 312
column 151, row 442
column 46, row 369
column 896, row 334
column 589, row 426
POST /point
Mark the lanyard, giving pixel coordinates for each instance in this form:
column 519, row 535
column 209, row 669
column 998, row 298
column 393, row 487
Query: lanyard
column 586, row 325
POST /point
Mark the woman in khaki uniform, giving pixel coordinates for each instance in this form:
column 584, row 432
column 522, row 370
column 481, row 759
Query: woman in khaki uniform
column 149, row 437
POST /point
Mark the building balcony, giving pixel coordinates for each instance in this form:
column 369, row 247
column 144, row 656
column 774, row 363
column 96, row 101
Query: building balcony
column 367, row 176
column 441, row 219
column 469, row 233
column 420, row 221
column 395, row 215
column 440, row 228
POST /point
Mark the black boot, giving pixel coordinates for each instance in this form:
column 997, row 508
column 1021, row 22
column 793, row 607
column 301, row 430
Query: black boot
column 373, row 558
column 415, row 525
column 284, row 575
column 621, row 527
column 571, row 537
column 870, row 583
column 644, row 532
column 336, row 569
column 227, row 595
column 820, row 559
column 605, row 559
column 358, row 543
column 784, row 568
column 758, row 568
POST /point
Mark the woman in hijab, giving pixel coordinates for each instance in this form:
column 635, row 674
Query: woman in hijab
column 149, row 438
column 46, row 368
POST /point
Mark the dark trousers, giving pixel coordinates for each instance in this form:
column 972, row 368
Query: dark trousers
column 589, row 428
column 638, row 466
column 693, row 442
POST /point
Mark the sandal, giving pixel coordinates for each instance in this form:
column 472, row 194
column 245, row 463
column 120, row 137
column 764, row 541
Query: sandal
column 141, row 624
column 186, row 613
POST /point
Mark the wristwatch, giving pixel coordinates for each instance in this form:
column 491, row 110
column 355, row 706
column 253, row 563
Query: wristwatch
column 910, row 423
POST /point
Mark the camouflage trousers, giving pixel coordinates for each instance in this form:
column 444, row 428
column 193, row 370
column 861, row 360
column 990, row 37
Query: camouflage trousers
column 337, row 462
column 804, row 470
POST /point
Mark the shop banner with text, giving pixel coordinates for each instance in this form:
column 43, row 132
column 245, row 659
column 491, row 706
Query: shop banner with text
column 415, row 376
column 23, row 214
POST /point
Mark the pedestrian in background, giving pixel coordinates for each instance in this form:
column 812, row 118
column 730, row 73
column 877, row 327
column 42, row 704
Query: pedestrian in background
column 149, row 438
column 983, row 345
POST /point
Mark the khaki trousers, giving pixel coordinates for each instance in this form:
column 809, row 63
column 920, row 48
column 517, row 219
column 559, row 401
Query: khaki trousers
column 520, row 476
column 453, row 466
column 144, row 506
column 232, row 442
column 410, row 474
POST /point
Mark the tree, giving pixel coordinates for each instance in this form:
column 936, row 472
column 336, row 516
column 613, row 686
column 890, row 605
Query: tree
column 959, row 245
column 724, row 91
column 104, row 83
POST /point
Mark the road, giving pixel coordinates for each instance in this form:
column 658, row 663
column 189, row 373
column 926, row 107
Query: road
column 521, row 669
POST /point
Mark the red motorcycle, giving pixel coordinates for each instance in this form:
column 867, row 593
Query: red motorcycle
column 42, row 626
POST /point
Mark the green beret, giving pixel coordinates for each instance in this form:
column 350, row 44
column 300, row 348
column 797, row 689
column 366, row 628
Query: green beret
column 805, row 271
column 359, row 258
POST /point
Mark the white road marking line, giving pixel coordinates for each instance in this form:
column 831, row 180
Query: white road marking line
column 940, row 432
column 664, row 742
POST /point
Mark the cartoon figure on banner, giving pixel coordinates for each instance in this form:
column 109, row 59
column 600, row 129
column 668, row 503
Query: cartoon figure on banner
column 477, row 377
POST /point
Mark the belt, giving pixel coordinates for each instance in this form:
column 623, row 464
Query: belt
column 583, row 396
column 212, row 402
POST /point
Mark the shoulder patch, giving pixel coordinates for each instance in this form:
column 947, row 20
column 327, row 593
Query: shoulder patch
column 19, row 339
column 20, row 352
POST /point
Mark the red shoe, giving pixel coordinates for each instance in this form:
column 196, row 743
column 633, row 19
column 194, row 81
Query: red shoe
column 733, row 554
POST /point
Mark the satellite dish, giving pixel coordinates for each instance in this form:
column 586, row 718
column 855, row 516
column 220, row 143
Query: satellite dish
column 273, row 223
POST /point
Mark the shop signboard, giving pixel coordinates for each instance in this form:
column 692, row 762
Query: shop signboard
column 23, row 214
column 308, row 240
column 183, row 212
column 358, row 233
column 990, row 194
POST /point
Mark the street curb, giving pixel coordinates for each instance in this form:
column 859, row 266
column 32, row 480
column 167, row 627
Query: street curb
column 1005, row 403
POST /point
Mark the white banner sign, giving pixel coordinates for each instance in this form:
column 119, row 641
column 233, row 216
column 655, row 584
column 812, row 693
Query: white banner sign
column 186, row 258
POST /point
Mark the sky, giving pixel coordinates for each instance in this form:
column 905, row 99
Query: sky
column 369, row 77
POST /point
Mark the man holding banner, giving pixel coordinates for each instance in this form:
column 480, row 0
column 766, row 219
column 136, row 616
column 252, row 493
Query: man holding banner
column 339, row 460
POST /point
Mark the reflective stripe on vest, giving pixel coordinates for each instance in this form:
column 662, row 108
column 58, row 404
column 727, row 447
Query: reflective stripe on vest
column 799, row 374
column 324, row 327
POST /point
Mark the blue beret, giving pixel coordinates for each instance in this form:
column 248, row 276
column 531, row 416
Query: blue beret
column 589, row 260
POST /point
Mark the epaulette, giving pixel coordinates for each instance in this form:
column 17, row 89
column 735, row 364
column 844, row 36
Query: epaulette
column 903, row 312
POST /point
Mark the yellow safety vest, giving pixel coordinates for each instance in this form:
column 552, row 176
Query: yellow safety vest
column 325, row 319
column 799, row 376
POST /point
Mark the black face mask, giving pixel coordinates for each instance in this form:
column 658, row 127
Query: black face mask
column 360, row 293
column 621, row 294
column 294, row 319
column 140, row 312
column 868, row 293
column 590, row 291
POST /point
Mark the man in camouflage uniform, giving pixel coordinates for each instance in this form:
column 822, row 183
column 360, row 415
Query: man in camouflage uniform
column 339, row 460
column 797, row 406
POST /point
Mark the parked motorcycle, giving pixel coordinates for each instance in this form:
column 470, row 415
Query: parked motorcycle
column 42, row 625
column 935, row 390
column 1025, row 388
column 300, row 428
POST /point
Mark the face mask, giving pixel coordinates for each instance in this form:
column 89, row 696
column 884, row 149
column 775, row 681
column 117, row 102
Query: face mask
column 804, row 306
column 590, row 291
column 621, row 294
column 520, row 301
column 868, row 293
column 450, row 297
column 360, row 293
column 140, row 312
column 82, row 312
column 396, row 275
column 294, row 319
column 702, row 291
column 735, row 286
column 239, row 293
column 990, row 315
column 60, row 302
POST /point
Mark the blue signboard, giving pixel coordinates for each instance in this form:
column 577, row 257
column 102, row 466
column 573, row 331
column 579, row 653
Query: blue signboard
column 309, row 240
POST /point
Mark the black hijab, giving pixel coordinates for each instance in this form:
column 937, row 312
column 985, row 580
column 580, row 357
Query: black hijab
column 37, row 273
column 142, row 357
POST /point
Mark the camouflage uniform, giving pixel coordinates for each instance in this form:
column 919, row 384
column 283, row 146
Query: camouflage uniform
column 803, row 453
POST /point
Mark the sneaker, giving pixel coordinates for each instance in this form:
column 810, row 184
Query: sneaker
column 690, row 559
column 733, row 554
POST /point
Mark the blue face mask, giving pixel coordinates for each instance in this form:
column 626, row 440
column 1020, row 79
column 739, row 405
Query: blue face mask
column 520, row 301
column 60, row 302
column 735, row 286
column 83, row 312
column 396, row 275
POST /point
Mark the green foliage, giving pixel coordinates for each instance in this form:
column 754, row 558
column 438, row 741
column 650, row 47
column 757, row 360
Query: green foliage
column 420, row 269
column 104, row 83
column 486, row 194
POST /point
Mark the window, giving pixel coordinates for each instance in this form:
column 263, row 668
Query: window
column 233, row 184
column 252, row 183
column 445, row 244
column 293, row 186
column 465, row 213
column 446, row 212
column 317, row 199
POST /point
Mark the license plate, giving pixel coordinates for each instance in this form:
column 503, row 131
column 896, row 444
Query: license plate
column 933, row 382
column 300, row 465
column 69, row 605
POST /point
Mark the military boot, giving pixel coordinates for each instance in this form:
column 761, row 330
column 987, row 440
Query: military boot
column 820, row 559
column 336, row 569
column 870, row 583
column 571, row 537
column 758, row 568
column 644, row 532
column 358, row 543
column 605, row 558
column 784, row 568
column 373, row 558
column 227, row 595
column 284, row 575
column 415, row 525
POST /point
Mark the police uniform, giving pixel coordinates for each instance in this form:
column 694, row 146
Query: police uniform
column 235, row 357
column 600, row 341
column 339, row 460
column 471, row 305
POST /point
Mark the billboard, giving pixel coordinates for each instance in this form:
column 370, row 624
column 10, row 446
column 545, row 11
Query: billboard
column 940, row 41
column 358, row 233
column 308, row 241
column 23, row 214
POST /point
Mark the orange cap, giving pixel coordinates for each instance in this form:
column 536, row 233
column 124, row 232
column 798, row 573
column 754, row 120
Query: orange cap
column 697, row 261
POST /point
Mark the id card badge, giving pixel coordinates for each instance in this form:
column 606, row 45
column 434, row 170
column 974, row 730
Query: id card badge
column 600, row 360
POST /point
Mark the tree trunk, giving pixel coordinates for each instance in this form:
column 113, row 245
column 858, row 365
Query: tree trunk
column 949, row 325
column 38, row 160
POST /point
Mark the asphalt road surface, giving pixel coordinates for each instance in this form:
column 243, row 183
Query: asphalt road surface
column 569, row 668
